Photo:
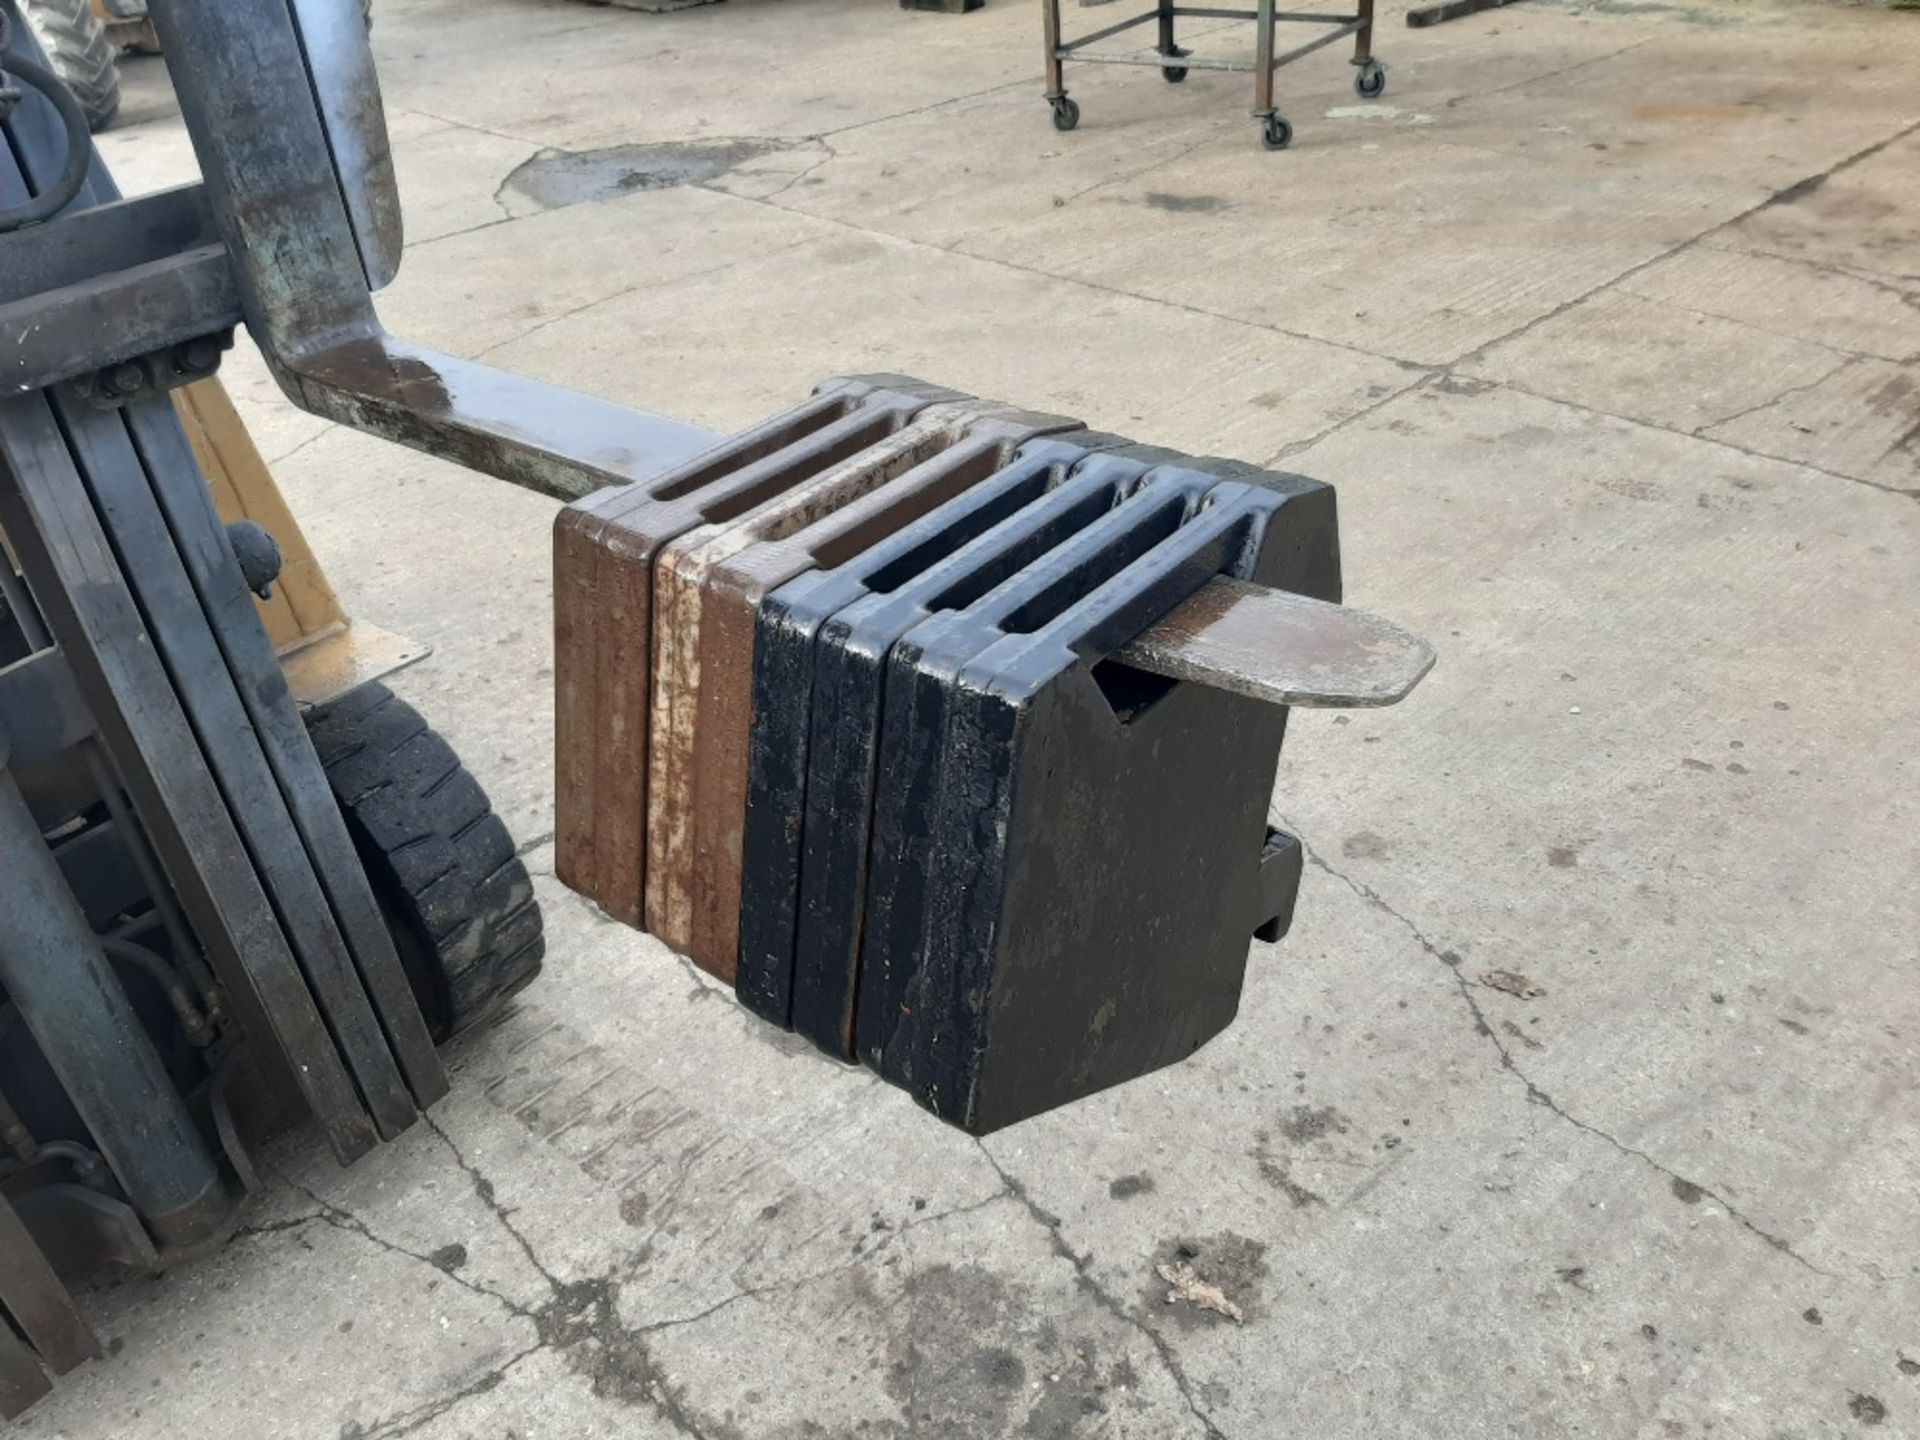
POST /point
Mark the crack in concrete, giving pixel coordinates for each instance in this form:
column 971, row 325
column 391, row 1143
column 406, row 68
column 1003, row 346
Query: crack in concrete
column 1535, row 1094
column 705, row 986
column 1663, row 303
column 407, row 1422
column 792, row 180
column 1450, row 368
column 1294, row 447
column 1219, row 129
column 1479, row 95
column 930, row 106
column 1893, row 284
column 498, row 220
column 532, row 843
column 326, row 429
column 580, row 1320
column 549, row 321
column 637, row 287
column 1720, row 440
column 483, row 1188
column 1775, row 399
column 276, row 1227
column 339, row 1218
column 1265, row 327
column 477, row 129
column 1084, row 1278
column 1805, row 185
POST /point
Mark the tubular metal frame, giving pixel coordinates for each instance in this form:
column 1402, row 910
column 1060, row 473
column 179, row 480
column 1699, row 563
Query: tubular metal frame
column 1174, row 62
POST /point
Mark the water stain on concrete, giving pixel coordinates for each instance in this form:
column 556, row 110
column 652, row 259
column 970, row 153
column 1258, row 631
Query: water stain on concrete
column 1309, row 1122
column 968, row 1362
column 944, row 1374
column 1632, row 489
column 1276, row 1174
column 582, row 1322
column 1867, row 1409
column 1128, row 1186
column 1894, row 395
column 1365, row 845
column 1186, row 204
column 555, row 179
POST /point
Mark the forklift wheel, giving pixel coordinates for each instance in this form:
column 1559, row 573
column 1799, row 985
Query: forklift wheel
column 457, row 898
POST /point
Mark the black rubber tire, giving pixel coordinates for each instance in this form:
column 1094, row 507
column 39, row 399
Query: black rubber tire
column 1173, row 74
column 1276, row 133
column 1370, row 83
column 457, row 897
column 80, row 54
column 1066, row 113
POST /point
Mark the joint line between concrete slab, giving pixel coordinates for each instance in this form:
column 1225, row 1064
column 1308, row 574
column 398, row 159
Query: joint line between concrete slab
column 1535, row 1094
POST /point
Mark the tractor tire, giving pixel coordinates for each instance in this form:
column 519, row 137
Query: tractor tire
column 456, row 895
column 80, row 54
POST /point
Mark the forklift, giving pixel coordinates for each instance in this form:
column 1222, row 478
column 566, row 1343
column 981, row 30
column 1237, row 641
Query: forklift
column 244, row 887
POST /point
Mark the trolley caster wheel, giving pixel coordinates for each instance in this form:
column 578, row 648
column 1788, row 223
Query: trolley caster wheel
column 1275, row 133
column 1174, row 74
column 1066, row 114
column 1371, row 82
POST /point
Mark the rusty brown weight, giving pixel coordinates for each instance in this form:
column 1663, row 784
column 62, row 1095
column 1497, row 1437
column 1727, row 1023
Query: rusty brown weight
column 604, row 548
column 708, row 587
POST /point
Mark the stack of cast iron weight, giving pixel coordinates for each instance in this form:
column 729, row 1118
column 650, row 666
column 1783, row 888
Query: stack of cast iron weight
column 818, row 682
column 853, row 436
column 1140, row 858
column 962, row 732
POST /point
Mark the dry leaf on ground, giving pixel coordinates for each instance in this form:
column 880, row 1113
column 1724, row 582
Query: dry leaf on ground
column 1196, row 1292
column 1512, row 984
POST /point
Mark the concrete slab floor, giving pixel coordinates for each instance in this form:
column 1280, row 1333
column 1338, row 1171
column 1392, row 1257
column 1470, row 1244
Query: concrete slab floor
column 1606, row 322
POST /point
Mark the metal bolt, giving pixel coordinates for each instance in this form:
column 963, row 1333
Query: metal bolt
column 200, row 354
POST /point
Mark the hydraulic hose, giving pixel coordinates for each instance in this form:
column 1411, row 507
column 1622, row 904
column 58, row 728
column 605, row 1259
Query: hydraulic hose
column 79, row 143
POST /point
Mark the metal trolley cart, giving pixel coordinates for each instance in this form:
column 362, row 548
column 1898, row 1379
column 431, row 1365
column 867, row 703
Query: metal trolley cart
column 1173, row 62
